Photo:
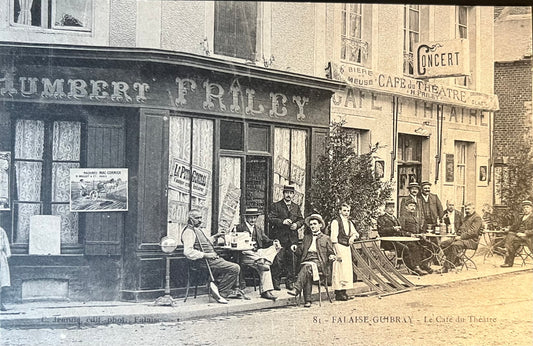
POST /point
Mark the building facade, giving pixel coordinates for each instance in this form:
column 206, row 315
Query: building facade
column 140, row 110
column 512, row 83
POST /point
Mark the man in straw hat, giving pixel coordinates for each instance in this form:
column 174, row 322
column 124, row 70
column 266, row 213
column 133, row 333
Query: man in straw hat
column 285, row 218
column 520, row 233
column 316, row 251
column 259, row 258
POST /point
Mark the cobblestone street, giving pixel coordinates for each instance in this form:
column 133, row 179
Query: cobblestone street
column 460, row 313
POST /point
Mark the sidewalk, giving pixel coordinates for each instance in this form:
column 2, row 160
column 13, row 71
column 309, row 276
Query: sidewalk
column 90, row 314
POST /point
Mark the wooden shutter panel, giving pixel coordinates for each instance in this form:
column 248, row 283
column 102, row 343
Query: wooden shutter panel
column 105, row 149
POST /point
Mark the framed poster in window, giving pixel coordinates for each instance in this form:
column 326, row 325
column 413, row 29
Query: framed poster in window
column 379, row 169
column 482, row 174
column 449, row 177
column 5, row 167
column 98, row 189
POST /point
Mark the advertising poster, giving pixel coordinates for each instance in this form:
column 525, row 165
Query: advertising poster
column 98, row 189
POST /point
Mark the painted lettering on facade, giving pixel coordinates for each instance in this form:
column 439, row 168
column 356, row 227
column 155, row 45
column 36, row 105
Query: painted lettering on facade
column 414, row 88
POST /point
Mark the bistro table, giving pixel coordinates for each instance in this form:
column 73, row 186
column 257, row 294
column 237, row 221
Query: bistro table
column 399, row 254
column 493, row 240
column 436, row 250
column 236, row 256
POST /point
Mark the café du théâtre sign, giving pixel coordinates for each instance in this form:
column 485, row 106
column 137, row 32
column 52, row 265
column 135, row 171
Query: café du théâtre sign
column 442, row 59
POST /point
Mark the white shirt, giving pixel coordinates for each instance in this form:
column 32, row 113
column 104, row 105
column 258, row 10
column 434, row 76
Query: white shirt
column 451, row 217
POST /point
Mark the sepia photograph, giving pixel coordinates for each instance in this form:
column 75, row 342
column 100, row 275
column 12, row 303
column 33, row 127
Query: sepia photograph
column 178, row 172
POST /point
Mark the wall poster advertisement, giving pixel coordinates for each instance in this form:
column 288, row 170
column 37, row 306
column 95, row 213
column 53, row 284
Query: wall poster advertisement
column 98, row 189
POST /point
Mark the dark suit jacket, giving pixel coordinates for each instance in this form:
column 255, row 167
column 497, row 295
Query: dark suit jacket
column 324, row 248
column 410, row 224
column 435, row 207
column 280, row 212
column 404, row 211
column 457, row 221
column 470, row 230
column 386, row 225
column 258, row 235
column 525, row 226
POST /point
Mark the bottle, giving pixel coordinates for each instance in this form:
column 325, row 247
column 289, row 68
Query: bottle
column 437, row 227
column 233, row 238
column 443, row 227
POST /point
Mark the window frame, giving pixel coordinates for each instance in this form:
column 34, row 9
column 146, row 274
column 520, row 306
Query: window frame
column 48, row 8
column 408, row 56
column 345, row 34
column 461, row 81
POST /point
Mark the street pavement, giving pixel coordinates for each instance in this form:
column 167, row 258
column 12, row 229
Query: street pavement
column 493, row 310
column 93, row 314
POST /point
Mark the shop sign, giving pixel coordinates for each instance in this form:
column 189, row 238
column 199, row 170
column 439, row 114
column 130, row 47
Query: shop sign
column 442, row 59
column 183, row 179
column 98, row 189
column 174, row 87
column 361, row 78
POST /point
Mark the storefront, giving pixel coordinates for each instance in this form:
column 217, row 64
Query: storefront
column 425, row 130
column 108, row 149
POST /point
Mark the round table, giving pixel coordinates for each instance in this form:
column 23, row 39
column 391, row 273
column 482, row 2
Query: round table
column 399, row 254
column 436, row 250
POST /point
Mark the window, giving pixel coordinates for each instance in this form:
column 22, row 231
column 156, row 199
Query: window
column 231, row 135
column 353, row 136
column 53, row 14
column 290, row 157
column 258, row 138
column 236, row 29
column 460, row 182
column 461, row 19
column 411, row 35
column 44, row 153
column 353, row 49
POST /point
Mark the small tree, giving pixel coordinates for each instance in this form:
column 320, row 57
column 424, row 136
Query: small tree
column 516, row 184
column 341, row 176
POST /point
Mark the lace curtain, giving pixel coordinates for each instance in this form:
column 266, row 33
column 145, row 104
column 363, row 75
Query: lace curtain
column 230, row 180
column 25, row 11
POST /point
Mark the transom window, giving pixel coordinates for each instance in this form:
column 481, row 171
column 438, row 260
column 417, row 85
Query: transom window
column 411, row 35
column 53, row 14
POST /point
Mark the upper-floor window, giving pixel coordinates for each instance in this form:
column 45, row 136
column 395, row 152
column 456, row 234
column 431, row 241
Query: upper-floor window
column 236, row 29
column 461, row 20
column 411, row 35
column 52, row 14
column 353, row 48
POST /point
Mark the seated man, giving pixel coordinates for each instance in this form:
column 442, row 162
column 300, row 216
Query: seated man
column 418, row 255
column 316, row 251
column 452, row 218
column 262, row 256
column 197, row 247
column 389, row 226
column 521, row 233
column 467, row 237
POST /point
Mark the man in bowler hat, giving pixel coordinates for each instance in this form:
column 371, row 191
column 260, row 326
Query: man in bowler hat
column 285, row 218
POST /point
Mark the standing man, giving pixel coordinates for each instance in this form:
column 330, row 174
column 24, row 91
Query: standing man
column 521, row 233
column 431, row 207
column 316, row 251
column 414, row 189
column 259, row 258
column 199, row 248
column 285, row 218
column 343, row 234
column 452, row 218
column 467, row 237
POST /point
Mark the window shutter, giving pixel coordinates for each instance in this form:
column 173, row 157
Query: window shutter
column 105, row 149
column 236, row 29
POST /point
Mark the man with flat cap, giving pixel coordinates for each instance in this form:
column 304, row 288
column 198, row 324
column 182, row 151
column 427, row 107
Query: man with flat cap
column 520, row 233
column 316, row 252
column 429, row 205
column 285, row 217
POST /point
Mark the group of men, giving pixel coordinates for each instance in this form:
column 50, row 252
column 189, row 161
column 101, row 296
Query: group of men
column 422, row 211
column 280, row 253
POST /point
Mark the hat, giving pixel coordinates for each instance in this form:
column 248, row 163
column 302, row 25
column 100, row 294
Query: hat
column 424, row 183
column 527, row 203
column 251, row 211
column 389, row 202
column 410, row 201
column 314, row 217
column 414, row 184
column 288, row 188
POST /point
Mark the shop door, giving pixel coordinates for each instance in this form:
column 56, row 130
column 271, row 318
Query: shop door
column 409, row 163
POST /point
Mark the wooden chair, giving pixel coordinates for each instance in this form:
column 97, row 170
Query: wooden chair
column 196, row 276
